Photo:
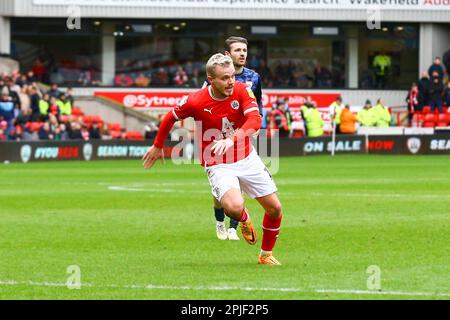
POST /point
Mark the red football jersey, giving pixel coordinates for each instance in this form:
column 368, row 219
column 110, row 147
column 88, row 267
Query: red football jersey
column 218, row 119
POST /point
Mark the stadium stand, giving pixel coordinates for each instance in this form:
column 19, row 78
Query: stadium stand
column 24, row 113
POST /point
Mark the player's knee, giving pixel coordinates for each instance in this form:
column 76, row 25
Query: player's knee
column 234, row 206
column 274, row 210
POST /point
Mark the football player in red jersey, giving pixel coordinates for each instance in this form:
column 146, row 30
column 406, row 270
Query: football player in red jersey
column 228, row 114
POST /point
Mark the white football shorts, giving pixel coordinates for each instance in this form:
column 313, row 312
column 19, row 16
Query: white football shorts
column 249, row 175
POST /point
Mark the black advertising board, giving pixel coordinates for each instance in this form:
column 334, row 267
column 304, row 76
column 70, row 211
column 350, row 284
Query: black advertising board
column 118, row 149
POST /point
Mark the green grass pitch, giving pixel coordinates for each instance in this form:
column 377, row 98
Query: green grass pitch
column 139, row 234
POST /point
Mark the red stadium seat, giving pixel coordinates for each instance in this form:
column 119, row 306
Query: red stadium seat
column 115, row 134
column 428, row 124
column 114, row 126
column 443, row 118
column 36, row 126
column 77, row 111
column 426, row 109
column 429, row 117
column 134, row 135
column 97, row 118
column 87, row 119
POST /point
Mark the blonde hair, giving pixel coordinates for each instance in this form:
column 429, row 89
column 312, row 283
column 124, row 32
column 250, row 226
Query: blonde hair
column 218, row 59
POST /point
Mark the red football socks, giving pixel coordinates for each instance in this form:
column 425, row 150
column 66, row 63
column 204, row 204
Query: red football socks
column 271, row 229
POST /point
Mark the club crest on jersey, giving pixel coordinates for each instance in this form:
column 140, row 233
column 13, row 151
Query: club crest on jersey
column 235, row 104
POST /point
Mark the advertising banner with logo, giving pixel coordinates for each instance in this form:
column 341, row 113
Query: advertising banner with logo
column 118, row 149
column 169, row 99
column 262, row 4
column 411, row 144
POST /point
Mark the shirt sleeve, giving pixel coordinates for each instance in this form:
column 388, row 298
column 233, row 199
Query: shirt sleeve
column 248, row 100
column 184, row 109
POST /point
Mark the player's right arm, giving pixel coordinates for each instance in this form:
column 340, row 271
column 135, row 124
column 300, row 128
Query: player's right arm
column 156, row 152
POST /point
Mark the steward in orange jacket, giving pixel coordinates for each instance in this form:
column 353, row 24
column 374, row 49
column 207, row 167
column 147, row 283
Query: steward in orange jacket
column 348, row 120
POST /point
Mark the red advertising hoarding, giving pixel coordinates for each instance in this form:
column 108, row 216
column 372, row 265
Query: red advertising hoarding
column 169, row 99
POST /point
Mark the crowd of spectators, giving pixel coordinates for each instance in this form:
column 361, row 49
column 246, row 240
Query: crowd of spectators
column 341, row 118
column 28, row 113
column 432, row 89
column 283, row 74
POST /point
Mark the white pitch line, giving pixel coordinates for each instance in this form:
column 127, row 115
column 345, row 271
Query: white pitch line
column 119, row 188
column 229, row 288
column 314, row 194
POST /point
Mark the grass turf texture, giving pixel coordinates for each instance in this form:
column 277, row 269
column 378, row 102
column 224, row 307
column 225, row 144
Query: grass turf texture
column 128, row 227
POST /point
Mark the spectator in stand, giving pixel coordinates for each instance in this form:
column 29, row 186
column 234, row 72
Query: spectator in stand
column 279, row 120
column 381, row 114
column 94, row 131
column 424, row 90
column 54, row 91
column 29, row 134
column 2, row 134
column 412, row 100
column 65, row 107
column 53, row 122
column 24, row 96
column 39, row 70
column 3, row 85
column 54, row 109
column 123, row 80
column 322, row 77
column 22, row 81
column 105, row 133
column 86, row 77
column 44, row 105
column 314, row 121
column 142, row 81
column 45, row 132
column 335, row 110
column 7, row 110
column 161, row 78
column 13, row 91
column 23, row 118
column 150, row 130
column 84, row 133
column 75, row 131
column 69, row 96
column 366, row 116
column 382, row 64
column 436, row 92
column 348, row 120
column 446, row 97
column 123, row 134
column 31, row 77
column 194, row 79
column 446, row 61
column 180, row 79
column 61, row 133
column 16, row 134
column 436, row 67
